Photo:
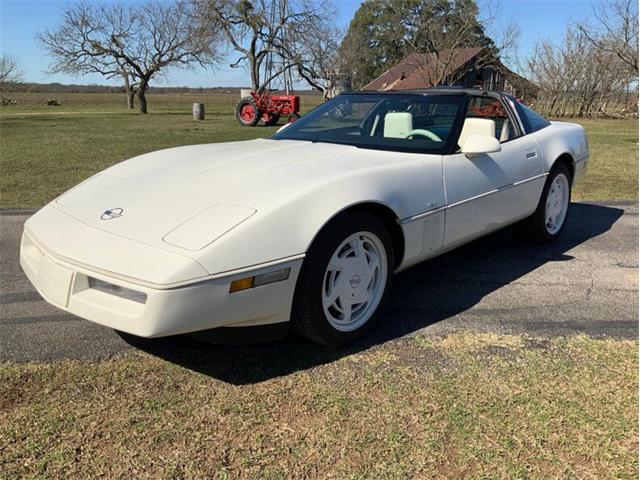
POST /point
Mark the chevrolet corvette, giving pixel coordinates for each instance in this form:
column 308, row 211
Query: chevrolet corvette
column 308, row 226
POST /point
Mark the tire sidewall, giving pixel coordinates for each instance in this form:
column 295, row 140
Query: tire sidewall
column 541, row 214
column 308, row 316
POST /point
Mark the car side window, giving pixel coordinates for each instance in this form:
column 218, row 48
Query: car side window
column 532, row 121
column 492, row 109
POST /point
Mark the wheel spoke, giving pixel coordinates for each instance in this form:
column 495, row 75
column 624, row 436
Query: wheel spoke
column 346, row 309
column 330, row 299
column 360, row 249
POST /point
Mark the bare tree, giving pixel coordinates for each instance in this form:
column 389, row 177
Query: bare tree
column 615, row 30
column 261, row 30
column 9, row 70
column 317, row 51
column 135, row 42
column 75, row 48
column 576, row 78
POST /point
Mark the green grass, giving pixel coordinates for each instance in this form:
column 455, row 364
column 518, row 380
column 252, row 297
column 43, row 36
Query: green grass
column 464, row 406
column 613, row 165
column 46, row 150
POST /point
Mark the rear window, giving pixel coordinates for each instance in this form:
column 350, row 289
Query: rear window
column 532, row 121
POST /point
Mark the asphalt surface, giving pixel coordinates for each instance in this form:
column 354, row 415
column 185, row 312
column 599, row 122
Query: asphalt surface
column 585, row 283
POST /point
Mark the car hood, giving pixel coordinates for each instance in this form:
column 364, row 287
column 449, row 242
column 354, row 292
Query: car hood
column 187, row 197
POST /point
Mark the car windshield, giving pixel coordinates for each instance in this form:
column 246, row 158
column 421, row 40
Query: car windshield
column 402, row 122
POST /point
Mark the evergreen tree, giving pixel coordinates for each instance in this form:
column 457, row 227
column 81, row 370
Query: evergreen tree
column 382, row 32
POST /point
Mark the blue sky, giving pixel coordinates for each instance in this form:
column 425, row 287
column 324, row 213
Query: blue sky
column 21, row 19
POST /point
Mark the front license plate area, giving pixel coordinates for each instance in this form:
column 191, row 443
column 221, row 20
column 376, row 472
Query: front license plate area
column 55, row 281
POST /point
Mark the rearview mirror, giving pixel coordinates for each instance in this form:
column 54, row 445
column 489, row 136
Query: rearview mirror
column 477, row 144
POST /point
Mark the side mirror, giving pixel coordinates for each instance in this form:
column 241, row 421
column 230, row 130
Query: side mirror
column 477, row 144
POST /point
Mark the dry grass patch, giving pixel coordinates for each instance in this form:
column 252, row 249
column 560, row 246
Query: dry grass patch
column 466, row 405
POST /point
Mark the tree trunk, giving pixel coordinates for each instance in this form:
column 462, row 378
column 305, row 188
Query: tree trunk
column 254, row 69
column 142, row 99
column 130, row 97
column 129, row 91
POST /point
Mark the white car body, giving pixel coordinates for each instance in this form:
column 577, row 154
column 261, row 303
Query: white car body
column 179, row 225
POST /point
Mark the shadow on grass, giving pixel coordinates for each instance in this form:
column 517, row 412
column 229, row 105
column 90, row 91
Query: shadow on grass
column 423, row 295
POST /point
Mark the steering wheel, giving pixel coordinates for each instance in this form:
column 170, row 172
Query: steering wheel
column 425, row 133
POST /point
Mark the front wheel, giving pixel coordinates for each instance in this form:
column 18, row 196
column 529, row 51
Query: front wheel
column 345, row 278
column 546, row 224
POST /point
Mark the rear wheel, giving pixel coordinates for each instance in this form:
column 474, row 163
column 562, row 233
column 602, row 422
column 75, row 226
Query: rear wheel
column 293, row 117
column 546, row 224
column 247, row 112
column 344, row 280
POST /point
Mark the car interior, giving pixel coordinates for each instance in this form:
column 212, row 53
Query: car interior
column 485, row 116
column 421, row 122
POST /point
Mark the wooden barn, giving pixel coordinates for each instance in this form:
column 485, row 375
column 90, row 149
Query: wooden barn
column 464, row 67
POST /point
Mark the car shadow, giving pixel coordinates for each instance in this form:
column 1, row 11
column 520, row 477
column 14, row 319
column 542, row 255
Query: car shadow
column 426, row 294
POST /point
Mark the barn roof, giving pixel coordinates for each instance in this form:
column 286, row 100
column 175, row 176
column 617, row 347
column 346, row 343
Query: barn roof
column 415, row 70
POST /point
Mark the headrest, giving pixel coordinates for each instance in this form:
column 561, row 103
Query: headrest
column 397, row 124
column 478, row 126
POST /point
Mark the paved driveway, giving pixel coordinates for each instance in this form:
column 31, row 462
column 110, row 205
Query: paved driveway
column 587, row 282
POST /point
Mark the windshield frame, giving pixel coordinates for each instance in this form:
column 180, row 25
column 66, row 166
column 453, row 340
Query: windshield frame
column 462, row 99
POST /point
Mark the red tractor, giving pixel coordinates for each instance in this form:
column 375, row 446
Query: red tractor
column 268, row 108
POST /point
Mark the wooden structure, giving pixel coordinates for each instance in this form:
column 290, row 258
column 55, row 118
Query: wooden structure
column 464, row 67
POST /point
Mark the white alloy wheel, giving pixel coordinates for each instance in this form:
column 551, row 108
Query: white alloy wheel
column 557, row 204
column 354, row 281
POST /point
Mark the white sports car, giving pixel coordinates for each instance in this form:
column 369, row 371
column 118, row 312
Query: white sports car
column 307, row 226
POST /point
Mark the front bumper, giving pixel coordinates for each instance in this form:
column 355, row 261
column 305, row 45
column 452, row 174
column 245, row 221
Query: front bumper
column 199, row 306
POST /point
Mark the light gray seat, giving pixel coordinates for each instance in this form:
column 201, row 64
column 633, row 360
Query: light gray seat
column 397, row 124
column 479, row 126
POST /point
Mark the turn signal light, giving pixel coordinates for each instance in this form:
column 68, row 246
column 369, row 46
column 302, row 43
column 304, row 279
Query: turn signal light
column 258, row 280
column 242, row 284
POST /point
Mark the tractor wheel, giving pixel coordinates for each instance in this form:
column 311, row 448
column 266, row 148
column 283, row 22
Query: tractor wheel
column 272, row 120
column 293, row 117
column 247, row 112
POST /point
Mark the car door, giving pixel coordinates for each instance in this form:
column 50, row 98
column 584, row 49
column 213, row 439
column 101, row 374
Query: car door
column 488, row 191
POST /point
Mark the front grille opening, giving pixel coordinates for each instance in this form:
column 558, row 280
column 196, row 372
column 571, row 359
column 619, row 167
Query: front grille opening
column 118, row 291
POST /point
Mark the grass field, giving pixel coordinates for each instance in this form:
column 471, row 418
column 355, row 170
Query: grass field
column 465, row 406
column 46, row 150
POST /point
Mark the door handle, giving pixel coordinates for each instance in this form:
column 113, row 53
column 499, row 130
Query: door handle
column 531, row 155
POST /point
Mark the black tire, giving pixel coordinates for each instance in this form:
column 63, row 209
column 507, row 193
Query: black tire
column 244, row 105
column 293, row 117
column 534, row 228
column 308, row 317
